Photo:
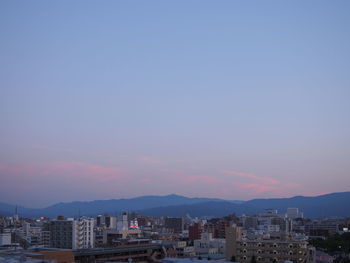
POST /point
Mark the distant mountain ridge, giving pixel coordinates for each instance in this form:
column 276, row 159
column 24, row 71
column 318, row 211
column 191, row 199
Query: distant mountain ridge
column 112, row 206
column 329, row 205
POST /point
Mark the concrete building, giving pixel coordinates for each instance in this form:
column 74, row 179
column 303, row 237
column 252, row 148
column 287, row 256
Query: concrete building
column 123, row 223
column 45, row 238
column 250, row 222
column 189, row 260
column 83, row 233
column 274, row 249
column 217, row 228
column 61, row 233
column 181, row 248
column 176, row 224
column 142, row 253
column 106, row 221
column 294, row 213
column 321, row 229
column 5, row 239
column 208, row 245
column 195, row 231
column 72, row 234
column 111, row 236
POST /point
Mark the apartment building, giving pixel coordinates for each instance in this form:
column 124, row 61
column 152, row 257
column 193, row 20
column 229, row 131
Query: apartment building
column 277, row 249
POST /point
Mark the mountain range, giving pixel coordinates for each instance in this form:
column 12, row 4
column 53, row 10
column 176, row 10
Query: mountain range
column 329, row 205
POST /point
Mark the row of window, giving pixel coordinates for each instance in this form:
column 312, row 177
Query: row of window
column 270, row 259
column 272, row 245
column 275, row 252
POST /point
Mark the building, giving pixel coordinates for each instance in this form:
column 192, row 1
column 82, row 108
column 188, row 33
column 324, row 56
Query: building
column 208, row 245
column 45, row 238
column 195, row 231
column 106, row 221
column 294, row 213
column 250, row 222
column 72, row 234
column 61, row 233
column 83, row 233
column 136, row 253
column 273, row 249
column 176, row 224
column 321, row 229
column 181, row 248
column 189, row 260
column 111, row 236
column 5, row 239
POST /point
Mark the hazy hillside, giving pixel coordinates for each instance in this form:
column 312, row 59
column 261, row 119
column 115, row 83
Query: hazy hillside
column 205, row 209
column 330, row 205
column 113, row 206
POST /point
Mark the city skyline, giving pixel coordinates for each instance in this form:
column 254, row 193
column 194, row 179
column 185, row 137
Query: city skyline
column 231, row 100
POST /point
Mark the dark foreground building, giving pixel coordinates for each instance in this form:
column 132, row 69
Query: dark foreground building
column 139, row 253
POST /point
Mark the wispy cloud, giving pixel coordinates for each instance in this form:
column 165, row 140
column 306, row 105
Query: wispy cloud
column 82, row 180
column 258, row 185
column 261, row 179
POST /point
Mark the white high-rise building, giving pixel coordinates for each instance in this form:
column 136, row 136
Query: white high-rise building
column 294, row 213
column 123, row 223
column 83, row 233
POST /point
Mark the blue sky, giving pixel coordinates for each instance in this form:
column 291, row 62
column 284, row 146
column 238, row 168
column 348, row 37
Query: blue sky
column 229, row 99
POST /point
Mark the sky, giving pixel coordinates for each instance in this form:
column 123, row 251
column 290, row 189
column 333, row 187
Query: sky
column 226, row 99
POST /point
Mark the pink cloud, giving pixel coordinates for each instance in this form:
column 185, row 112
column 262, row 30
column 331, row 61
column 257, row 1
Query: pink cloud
column 267, row 180
column 191, row 179
column 66, row 181
column 262, row 185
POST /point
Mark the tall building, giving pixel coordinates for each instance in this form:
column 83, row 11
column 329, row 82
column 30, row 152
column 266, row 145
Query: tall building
column 294, row 213
column 176, row 224
column 61, row 233
column 72, row 234
column 83, row 233
column 195, row 231
column 123, row 223
column 106, row 221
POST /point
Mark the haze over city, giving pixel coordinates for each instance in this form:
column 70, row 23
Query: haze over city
column 222, row 99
